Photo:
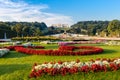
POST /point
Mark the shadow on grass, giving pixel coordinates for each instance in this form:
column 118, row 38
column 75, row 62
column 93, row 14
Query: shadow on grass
column 108, row 51
column 10, row 68
column 14, row 54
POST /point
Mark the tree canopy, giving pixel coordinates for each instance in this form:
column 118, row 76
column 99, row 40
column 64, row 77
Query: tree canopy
column 91, row 28
column 114, row 28
column 14, row 29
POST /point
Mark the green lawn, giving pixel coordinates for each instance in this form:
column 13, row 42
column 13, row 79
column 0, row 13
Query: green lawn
column 17, row 66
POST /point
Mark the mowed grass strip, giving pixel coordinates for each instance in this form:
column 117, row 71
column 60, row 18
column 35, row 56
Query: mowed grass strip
column 17, row 66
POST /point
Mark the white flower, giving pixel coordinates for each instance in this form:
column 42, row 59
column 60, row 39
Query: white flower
column 38, row 67
column 72, row 62
column 65, row 63
column 98, row 62
column 57, row 66
column 69, row 66
column 105, row 62
column 49, row 65
column 88, row 63
column 80, row 64
column 44, row 65
column 117, row 61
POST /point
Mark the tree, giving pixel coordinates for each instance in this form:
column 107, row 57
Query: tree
column 89, row 27
column 26, row 30
column 18, row 28
column 4, row 28
column 37, row 32
column 114, row 28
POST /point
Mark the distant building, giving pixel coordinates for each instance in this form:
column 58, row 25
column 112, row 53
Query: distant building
column 60, row 25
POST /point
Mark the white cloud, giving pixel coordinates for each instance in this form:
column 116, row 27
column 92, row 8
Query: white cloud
column 21, row 11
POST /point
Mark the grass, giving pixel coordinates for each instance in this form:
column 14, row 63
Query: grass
column 17, row 66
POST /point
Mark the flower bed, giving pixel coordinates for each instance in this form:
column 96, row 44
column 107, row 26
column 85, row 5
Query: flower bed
column 63, row 68
column 3, row 51
column 13, row 47
column 19, row 46
column 81, row 42
column 112, row 43
column 63, row 50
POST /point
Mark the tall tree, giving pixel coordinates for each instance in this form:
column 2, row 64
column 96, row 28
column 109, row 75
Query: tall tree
column 114, row 28
column 18, row 28
column 37, row 32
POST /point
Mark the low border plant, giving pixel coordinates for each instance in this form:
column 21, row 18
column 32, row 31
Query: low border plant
column 72, row 67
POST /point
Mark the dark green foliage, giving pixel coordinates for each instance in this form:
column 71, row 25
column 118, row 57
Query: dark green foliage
column 4, row 28
column 114, row 28
column 89, row 27
column 14, row 29
column 54, row 30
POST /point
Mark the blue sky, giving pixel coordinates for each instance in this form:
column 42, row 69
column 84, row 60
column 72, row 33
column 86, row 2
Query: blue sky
column 59, row 11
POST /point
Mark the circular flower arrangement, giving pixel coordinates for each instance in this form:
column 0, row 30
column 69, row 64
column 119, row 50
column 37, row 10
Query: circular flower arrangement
column 63, row 68
column 3, row 51
column 63, row 50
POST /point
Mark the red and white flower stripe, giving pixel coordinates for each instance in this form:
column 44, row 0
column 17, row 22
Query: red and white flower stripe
column 63, row 68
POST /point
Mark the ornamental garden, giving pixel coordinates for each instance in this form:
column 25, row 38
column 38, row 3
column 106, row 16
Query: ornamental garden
column 60, row 60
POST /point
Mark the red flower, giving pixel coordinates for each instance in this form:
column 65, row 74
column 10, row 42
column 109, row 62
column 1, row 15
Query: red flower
column 113, row 66
column 85, row 69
